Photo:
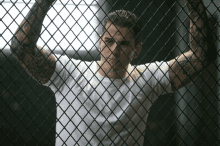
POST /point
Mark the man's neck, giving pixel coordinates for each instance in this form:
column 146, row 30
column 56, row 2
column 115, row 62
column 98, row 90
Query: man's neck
column 111, row 73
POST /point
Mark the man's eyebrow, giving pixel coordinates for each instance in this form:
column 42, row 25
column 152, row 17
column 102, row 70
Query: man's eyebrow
column 122, row 42
column 107, row 38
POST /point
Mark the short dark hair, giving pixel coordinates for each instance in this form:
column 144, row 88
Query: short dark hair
column 123, row 18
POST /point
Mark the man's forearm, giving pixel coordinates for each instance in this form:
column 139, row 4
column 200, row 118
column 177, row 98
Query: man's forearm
column 201, row 42
column 29, row 30
column 39, row 63
column 187, row 66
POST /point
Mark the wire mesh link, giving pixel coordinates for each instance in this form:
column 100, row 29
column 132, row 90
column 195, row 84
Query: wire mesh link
column 92, row 72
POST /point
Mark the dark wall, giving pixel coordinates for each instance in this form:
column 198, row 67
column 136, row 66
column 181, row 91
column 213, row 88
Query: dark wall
column 28, row 111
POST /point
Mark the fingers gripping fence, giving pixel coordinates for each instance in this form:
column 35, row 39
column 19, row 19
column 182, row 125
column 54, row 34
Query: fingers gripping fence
column 110, row 72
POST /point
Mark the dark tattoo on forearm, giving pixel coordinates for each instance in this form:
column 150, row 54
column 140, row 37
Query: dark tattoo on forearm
column 185, row 67
column 38, row 62
column 184, row 70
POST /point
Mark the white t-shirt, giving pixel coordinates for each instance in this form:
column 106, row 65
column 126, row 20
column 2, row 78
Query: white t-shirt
column 95, row 110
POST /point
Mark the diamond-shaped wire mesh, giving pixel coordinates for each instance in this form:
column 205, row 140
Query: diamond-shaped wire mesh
column 95, row 72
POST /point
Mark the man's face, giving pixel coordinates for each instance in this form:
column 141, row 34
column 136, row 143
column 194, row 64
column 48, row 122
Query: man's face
column 117, row 47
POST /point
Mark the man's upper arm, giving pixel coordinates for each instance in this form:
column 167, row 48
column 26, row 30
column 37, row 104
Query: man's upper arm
column 40, row 64
column 156, row 77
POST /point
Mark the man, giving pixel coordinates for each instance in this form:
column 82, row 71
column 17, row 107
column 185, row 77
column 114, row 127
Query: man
column 107, row 102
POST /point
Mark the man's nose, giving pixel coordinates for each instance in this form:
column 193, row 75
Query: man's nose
column 116, row 50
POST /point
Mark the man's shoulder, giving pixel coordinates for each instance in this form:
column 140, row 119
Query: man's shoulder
column 148, row 68
column 67, row 59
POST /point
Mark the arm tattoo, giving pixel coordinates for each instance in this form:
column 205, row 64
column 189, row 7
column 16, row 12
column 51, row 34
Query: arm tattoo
column 38, row 62
column 185, row 67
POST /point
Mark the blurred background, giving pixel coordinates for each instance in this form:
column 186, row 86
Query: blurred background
column 189, row 116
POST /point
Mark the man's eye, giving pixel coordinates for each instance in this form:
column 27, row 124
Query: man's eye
column 124, row 43
column 109, row 41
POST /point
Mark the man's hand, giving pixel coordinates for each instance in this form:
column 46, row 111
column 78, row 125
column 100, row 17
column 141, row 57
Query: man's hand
column 187, row 66
column 39, row 63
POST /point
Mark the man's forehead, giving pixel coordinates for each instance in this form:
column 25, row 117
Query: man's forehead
column 112, row 30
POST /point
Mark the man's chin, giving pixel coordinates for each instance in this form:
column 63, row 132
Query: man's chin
column 117, row 66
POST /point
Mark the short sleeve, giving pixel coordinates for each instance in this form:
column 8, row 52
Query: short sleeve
column 156, row 78
column 66, row 70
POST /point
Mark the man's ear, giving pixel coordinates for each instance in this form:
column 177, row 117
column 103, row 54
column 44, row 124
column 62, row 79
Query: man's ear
column 138, row 49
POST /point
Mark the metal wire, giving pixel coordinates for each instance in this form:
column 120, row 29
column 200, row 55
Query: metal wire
column 81, row 105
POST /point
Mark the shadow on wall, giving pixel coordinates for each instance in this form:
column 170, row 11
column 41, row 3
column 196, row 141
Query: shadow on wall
column 28, row 112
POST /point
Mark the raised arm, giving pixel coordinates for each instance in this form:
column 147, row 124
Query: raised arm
column 187, row 66
column 39, row 63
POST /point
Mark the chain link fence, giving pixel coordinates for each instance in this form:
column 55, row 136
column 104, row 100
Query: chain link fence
column 71, row 93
